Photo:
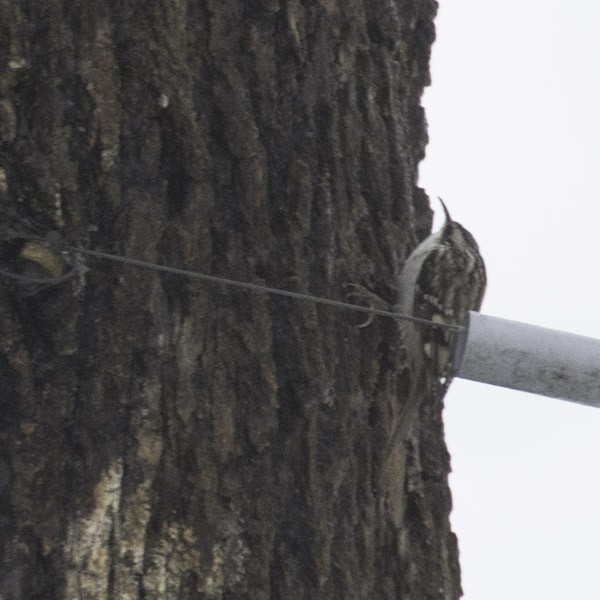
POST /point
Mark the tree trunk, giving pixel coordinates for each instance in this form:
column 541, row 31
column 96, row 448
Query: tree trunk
column 170, row 439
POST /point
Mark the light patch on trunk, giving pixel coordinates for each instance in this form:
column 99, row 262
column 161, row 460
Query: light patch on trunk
column 87, row 547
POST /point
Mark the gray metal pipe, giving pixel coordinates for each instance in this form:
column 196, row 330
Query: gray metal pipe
column 529, row 358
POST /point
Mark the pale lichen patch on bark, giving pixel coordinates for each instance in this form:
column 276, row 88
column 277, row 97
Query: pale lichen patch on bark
column 173, row 558
column 130, row 535
column 87, row 546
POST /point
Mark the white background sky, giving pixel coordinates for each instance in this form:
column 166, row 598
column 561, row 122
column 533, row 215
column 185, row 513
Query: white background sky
column 514, row 125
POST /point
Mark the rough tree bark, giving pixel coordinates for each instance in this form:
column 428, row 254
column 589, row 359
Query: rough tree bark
column 162, row 438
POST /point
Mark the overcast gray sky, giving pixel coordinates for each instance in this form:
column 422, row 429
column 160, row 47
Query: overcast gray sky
column 514, row 151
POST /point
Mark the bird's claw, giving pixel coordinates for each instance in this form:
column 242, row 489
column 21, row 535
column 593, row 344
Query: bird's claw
column 361, row 293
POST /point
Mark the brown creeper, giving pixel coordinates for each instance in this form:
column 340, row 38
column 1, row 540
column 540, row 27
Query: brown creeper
column 442, row 280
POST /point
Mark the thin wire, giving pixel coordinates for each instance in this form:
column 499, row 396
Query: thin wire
column 262, row 288
column 77, row 269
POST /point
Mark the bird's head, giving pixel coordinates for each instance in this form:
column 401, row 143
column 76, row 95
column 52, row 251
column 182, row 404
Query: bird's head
column 455, row 233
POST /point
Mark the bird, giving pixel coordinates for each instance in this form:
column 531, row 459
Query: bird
column 441, row 281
